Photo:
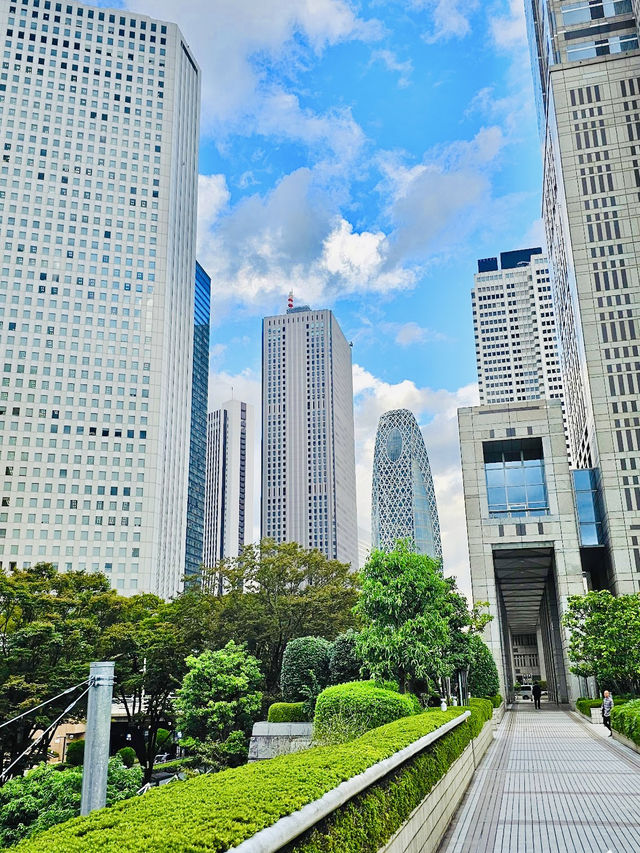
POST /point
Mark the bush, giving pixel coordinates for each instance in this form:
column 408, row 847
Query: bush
column 481, row 711
column 344, row 664
column 288, row 712
column 496, row 700
column 75, row 753
column 346, row 711
column 217, row 812
column 585, row 705
column 128, row 756
column 626, row 719
column 305, row 667
column 483, row 673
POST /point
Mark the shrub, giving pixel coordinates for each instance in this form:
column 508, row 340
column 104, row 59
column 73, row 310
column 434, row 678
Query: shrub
column 217, row 812
column 483, row 673
column 585, row 705
column 481, row 711
column 305, row 667
column 163, row 739
column 344, row 664
column 496, row 700
column 626, row 719
column 127, row 755
column 288, row 712
column 345, row 711
column 75, row 753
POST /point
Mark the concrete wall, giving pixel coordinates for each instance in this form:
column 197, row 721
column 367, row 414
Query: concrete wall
column 424, row 830
column 271, row 739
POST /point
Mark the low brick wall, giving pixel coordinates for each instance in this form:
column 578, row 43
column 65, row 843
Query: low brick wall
column 271, row 739
column 424, row 830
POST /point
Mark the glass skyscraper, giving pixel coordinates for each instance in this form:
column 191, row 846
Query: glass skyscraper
column 403, row 504
column 198, row 438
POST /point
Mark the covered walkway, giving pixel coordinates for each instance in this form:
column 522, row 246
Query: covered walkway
column 550, row 784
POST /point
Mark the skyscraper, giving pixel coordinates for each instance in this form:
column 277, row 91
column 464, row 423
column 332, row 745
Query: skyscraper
column 586, row 69
column 308, row 456
column 99, row 122
column 228, row 519
column 515, row 329
column 403, row 502
column 198, row 439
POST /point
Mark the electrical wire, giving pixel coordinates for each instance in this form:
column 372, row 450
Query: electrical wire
column 42, row 704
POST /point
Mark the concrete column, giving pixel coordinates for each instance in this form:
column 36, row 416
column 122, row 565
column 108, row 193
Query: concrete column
column 96, row 748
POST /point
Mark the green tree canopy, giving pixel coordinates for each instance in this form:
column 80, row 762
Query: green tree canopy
column 605, row 639
column 483, row 674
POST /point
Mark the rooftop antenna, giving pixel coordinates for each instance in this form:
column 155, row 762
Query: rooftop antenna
column 290, row 300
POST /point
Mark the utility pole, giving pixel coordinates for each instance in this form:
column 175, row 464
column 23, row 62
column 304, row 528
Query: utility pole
column 96, row 747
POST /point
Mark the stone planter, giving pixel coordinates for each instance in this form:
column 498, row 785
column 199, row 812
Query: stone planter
column 596, row 717
column 498, row 714
column 271, row 739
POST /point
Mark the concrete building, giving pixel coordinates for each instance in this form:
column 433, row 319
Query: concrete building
column 308, row 455
column 99, row 123
column 524, row 532
column 228, row 517
column 403, row 500
column 199, row 406
column 515, row 329
column 586, row 69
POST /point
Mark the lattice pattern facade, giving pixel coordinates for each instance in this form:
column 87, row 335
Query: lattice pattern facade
column 403, row 504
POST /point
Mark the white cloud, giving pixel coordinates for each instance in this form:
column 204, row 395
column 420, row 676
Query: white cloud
column 451, row 18
column 389, row 59
column 436, row 411
column 510, row 31
column 411, row 333
column 213, row 197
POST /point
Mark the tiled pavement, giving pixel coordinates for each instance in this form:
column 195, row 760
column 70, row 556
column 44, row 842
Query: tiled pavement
column 550, row 784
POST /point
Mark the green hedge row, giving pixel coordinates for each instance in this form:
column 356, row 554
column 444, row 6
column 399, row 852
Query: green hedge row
column 287, row 712
column 346, row 711
column 585, row 705
column 626, row 719
column 496, row 700
column 216, row 812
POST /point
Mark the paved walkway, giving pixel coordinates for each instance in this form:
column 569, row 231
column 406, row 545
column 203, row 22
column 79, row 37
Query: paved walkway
column 550, row 784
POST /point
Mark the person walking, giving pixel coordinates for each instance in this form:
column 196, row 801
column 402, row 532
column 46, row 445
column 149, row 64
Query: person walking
column 607, row 705
column 537, row 693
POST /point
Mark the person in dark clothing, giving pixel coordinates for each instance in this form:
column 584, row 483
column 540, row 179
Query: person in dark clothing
column 607, row 705
column 537, row 693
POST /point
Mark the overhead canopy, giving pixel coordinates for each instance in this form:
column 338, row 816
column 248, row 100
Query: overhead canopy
column 522, row 574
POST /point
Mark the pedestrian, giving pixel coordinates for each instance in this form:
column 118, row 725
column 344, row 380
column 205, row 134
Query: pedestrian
column 537, row 693
column 607, row 705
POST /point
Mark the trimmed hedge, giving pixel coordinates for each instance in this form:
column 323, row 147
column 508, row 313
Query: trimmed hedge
column 483, row 677
column 216, row 812
column 287, row 712
column 305, row 668
column 626, row 719
column 585, row 705
column 346, row 711
column 481, row 711
column 496, row 700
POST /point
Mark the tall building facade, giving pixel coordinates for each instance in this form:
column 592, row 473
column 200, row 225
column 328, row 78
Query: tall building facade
column 587, row 71
column 403, row 500
column 99, row 114
column 515, row 329
column 228, row 517
column 308, row 456
column 199, row 406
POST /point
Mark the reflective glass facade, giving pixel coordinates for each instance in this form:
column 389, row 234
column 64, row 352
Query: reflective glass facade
column 515, row 477
column 198, row 438
column 588, row 506
column 403, row 498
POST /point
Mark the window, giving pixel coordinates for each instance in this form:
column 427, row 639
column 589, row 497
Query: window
column 515, row 478
column 587, row 10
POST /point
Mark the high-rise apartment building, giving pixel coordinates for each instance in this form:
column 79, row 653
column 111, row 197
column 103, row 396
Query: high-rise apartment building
column 228, row 519
column 403, row 501
column 587, row 75
column 99, row 118
column 198, row 439
column 308, row 456
column 515, row 329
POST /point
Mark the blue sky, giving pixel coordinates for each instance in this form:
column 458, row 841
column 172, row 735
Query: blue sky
column 363, row 155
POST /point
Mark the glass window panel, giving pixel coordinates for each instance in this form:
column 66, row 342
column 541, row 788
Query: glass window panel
column 516, row 495
column 534, row 475
column 514, row 476
column 535, row 494
column 495, row 477
column 586, row 508
column 589, row 534
column 497, row 496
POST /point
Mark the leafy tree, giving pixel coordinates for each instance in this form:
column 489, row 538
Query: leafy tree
column 218, row 702
column 410, row 612
column 278, row 592
column 46, row 796
column 605, row 639
column 483, row 674
column 344, row 663
column 305, row 667
column 50, row 628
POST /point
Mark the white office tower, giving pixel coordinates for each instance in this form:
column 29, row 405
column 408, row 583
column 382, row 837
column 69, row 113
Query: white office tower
column 515, row 329
column 308, row 457
column 228, row 502
column 587, row 76
column 99, row 128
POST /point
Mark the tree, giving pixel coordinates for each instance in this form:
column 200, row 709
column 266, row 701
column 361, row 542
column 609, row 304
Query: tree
column 75, row 753
column 278, row 592
column 344, row 663
column 409, row 611
column 218, row 702
column 46, row 796
column 50, row 628
column 483, row 673
column 305, row 668
column 605, row 639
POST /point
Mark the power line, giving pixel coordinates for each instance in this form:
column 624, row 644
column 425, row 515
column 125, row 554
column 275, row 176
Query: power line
column 53, row 724
column 42, row 704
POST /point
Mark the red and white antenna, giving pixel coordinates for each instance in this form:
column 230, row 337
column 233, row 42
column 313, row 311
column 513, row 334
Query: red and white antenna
column 290, row 300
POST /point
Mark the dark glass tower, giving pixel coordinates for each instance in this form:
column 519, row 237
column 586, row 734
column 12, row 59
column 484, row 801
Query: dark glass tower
column 198, row 439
